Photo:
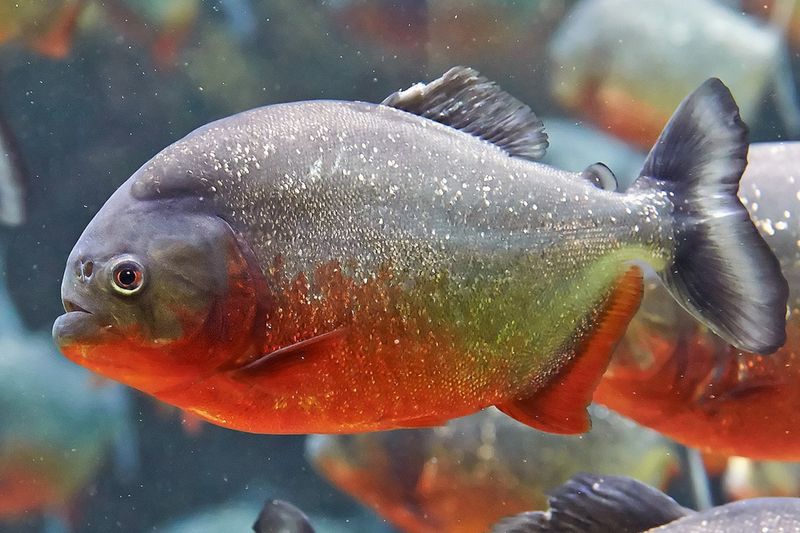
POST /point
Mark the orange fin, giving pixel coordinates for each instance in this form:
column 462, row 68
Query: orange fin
column 297, row 353
column 560, row 406
column 58, row 39
column 425, row 421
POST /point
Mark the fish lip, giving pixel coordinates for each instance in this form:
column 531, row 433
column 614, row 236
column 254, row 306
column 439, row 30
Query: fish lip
column 80, row 327
column 71, row 307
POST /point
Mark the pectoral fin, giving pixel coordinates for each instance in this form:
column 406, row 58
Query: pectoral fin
column 560, row 407
column 295, row 354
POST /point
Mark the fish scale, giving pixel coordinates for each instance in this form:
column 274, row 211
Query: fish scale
column 334, row 266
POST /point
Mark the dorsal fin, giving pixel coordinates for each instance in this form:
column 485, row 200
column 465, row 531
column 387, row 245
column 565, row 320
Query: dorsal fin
column 601, row 177
column 463, row 99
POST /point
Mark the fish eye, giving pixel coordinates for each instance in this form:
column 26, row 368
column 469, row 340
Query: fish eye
column 128, row 277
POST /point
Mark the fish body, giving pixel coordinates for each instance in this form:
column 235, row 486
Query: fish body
column 44, row 26
column 672, row 375
column 342, row 266
column 608, row 68
column 465, row 476
column 590, row 503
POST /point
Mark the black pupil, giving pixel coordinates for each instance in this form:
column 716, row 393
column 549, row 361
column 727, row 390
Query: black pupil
column 127, row 276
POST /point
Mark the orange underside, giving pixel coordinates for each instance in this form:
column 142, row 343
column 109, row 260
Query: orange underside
column 392, row 366
column 434, row 506
column 713, row 397
column 614, row 110
column 24, row 490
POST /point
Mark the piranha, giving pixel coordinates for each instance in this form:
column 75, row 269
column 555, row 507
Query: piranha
column 599, row 504
column 677, row 377
column 467, row 475
column 327, row 266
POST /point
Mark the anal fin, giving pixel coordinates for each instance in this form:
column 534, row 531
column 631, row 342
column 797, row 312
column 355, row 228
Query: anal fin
column 560, row 406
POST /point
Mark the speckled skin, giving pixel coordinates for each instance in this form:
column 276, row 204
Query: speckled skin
column 778, row 515
column 673, row 375
column 454, row 276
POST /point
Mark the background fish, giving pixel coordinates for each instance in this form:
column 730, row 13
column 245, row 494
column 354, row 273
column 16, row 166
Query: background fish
column 465, row 476
column 58, row 427
column 608, row 68
column 338, row 267
column 46, row 26
column 679, row 378
column 13, row 178
column 599, row 504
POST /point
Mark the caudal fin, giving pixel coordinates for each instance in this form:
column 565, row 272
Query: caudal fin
column 721, row 271
column 598, row 504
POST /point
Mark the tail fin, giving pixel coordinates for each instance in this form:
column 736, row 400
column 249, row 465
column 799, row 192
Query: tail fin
column 598, row 504
column 722, row 271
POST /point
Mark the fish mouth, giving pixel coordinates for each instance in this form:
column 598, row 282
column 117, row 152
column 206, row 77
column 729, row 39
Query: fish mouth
column 79, row 326
column 72, row 307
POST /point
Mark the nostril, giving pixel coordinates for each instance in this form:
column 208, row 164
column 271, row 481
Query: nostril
column 88, row 268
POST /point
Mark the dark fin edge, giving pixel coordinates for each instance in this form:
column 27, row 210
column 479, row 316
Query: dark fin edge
column 560, row 407
column 463, row 99
column 722, row 271
column 279, row 515
column 589, row 503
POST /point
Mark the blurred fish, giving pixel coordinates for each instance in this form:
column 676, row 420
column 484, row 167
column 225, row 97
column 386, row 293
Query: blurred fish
column 682, row 380
column 278, row 516
column 400, row 26
column 467, row 475
column 57, row 426
column 608, row 67
column 342, row 267
column 13, row 178
column 589, row 503
column 745, row 478
column 241, row 18
column 508, row 35
column 45, row 26
column 164, row 26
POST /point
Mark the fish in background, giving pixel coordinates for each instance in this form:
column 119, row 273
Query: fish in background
column 679, row 378
column 57, row 425
column 13, row 178
column 338, row 267
column 781, row 14
column 164, row 26
column 625, row 64
column 45, row 26
column 399, row 26
column 590, row 503
column 465, row 476
column 508, row 36
column 745, row 478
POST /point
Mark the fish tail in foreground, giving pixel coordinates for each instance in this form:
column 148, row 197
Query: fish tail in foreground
column 598, row 504
column 721, row 270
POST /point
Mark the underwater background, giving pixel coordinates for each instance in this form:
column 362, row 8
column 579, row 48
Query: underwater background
column 90, row 90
